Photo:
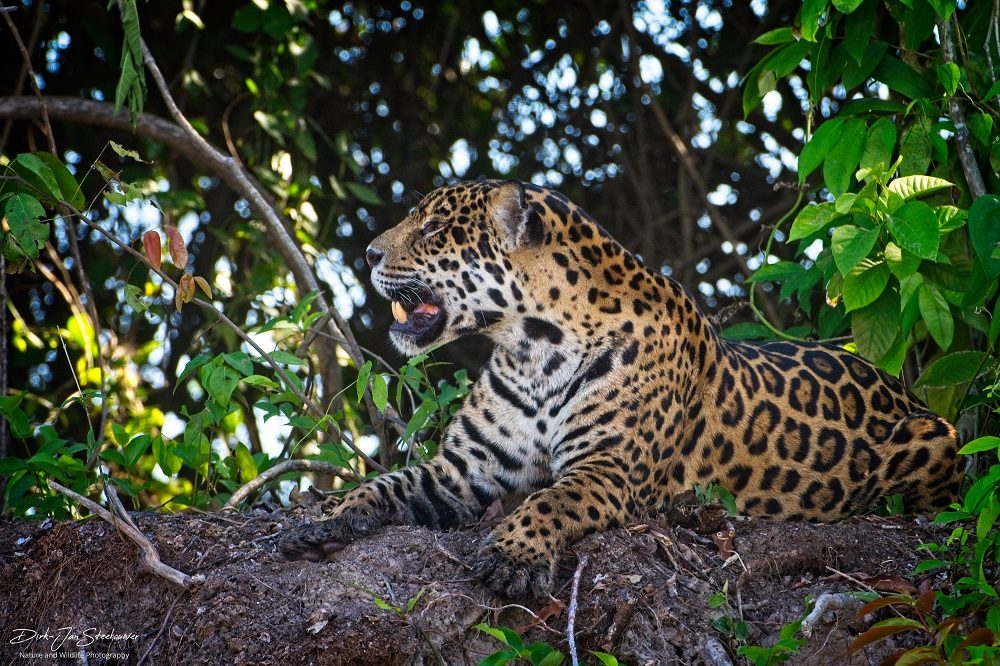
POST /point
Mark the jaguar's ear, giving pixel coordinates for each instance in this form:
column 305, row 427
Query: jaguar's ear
column 517, row 220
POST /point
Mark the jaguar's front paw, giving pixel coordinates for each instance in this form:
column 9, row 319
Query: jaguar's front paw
column 512, row 575
column 317, row 541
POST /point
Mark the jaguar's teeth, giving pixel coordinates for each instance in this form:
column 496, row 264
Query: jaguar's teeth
column 399, row 312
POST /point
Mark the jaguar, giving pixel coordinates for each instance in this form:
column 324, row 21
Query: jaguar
column 608, row 393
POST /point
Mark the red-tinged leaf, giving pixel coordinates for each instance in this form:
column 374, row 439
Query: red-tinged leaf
column 882, row 602
column 981, row 636
column 891, row 584
column 203, row 284
column 151, row 244
column 925, row 602
column 920, row 655
column 882, row 630
column 945, row 627
column 178, row 250
column 185, row 290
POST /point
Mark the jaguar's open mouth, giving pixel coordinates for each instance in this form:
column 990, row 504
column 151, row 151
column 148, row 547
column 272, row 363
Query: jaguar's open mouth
column 417, row 317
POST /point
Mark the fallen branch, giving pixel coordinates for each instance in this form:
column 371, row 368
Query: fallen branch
column 571, row 613
column 828, row 601
column 255, row 484
column 148, row 557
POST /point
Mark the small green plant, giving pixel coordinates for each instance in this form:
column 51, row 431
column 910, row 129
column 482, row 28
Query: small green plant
column 399, row 610
column 735, row 630
column 714, row 492
column 784, row 648
column 536, row 654
column 894, row 505
column 959, row 624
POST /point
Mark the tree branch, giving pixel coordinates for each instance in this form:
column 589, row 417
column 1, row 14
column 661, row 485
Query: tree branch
column 73, row 109
column 265, row 208
column 973, row 176
column 254, row 484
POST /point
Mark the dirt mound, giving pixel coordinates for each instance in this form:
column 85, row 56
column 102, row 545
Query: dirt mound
column 643, row 594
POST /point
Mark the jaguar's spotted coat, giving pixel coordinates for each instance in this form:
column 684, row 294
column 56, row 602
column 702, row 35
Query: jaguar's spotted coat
column 609, row 392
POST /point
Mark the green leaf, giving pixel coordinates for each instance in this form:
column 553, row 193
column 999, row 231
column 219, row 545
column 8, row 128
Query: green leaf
column 943, row 8
column 936, row 313
column 909, row 187
column 122, row 151
column 879, row 144
column 948, row 75
column 819, row 146
column 981, row 128
column 114, row 455
column 605, row 658
column 930, row 565
column 811, row 219
column 380, row 391
column 858, row 29
column 812, row 10
column 193, row 365
column 915, row 150
column 245, row 461
column 747, row 330
column 984, row 231
column 281, row 356
column 30, row 167
column 903, row 78
column 221, row 383
column 120, row 434
column 239, row 361
column 165, row 458
column 775, row 37
column 955, row 368
column 136, row 448
column 851, row 244
column 876, row 326
column 986, row 443
column 864, row 284
column 70, row 189
column 362, row 382
column 11, row 465
column 846, row 6
column 901, row 263
column 24, row 215
column 135, row 299
column 842, row 160
column 261, row 381
column 363, row 193
column 419, row 418
column 781, row 61
column 994, row 325
column 915, row 228
column 131, row 88
column 860, row 71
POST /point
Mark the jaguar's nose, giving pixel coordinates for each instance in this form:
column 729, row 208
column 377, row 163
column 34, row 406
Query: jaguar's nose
column 374, row 256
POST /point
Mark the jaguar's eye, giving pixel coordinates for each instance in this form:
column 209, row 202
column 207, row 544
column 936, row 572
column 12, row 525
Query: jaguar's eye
column 431, row 226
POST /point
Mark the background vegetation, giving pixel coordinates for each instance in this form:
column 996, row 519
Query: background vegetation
column 185, row 304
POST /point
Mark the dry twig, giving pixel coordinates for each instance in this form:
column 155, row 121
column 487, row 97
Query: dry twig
column 571, row 613
column 287, row 466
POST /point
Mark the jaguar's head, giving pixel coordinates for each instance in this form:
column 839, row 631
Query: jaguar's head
column 449, row 267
